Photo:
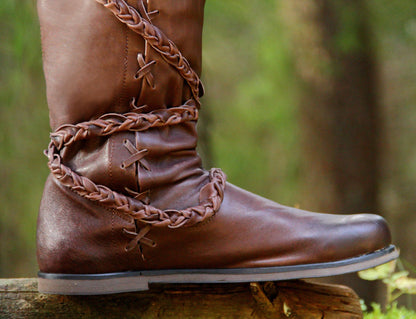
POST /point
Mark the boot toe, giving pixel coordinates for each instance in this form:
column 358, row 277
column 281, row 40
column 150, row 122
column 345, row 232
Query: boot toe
column 355, row 235
column 372, row 230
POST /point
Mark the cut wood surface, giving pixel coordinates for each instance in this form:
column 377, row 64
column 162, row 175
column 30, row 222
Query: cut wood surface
column 19, row 298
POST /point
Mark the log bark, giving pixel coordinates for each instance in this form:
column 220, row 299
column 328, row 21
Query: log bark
column 19, row 298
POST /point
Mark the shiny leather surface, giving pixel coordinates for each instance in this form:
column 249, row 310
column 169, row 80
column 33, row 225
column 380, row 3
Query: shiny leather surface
column 77, row 236
column 96, row 65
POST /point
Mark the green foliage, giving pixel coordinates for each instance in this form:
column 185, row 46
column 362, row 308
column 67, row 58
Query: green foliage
column 378, row 273
column 350, row 27
column 23, row 135
column 251, row 97
column 392, row 312
column 398, row 283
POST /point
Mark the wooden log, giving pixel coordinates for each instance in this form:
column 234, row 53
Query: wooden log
column 19, row 298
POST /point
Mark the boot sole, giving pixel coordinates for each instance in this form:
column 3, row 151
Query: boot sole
column 108, row 283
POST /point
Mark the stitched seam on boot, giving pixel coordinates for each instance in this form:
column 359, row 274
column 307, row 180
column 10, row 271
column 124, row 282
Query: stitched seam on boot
column 123, row 92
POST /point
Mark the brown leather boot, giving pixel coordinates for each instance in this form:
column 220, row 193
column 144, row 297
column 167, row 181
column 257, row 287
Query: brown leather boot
column 127, row 202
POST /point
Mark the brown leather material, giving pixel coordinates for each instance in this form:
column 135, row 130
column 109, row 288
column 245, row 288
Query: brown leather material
column 75, row 235
column 93, row 56
column 100, row 159
column 170, row 87
column 248, row 231
column 175, row 145
column 251, row 231
column 127, row 190
column 137, row 19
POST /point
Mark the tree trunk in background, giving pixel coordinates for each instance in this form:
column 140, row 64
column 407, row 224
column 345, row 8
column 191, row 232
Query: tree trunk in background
column 339, row 110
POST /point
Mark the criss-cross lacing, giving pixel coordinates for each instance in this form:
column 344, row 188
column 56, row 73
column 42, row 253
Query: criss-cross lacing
column 138, row 239
column 137, row 156
column 144, row 71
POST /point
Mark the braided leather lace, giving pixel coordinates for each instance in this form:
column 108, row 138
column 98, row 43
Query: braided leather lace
column 137, row 206
column 157, row 40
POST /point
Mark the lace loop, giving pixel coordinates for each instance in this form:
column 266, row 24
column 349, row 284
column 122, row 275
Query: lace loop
column 138, row 239
column 136, row 156
column 143, row 196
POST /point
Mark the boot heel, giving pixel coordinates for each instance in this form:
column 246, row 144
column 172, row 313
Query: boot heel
column 61, row 284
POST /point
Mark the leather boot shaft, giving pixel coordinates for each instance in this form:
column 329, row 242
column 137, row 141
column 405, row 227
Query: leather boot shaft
column 94, row 64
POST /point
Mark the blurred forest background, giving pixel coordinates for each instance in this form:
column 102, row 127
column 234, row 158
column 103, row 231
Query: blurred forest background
column 309, row 102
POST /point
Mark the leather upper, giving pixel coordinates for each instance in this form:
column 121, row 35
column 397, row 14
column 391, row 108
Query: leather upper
column 127, row 189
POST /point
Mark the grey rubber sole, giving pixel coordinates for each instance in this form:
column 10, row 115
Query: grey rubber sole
column 97, row 284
